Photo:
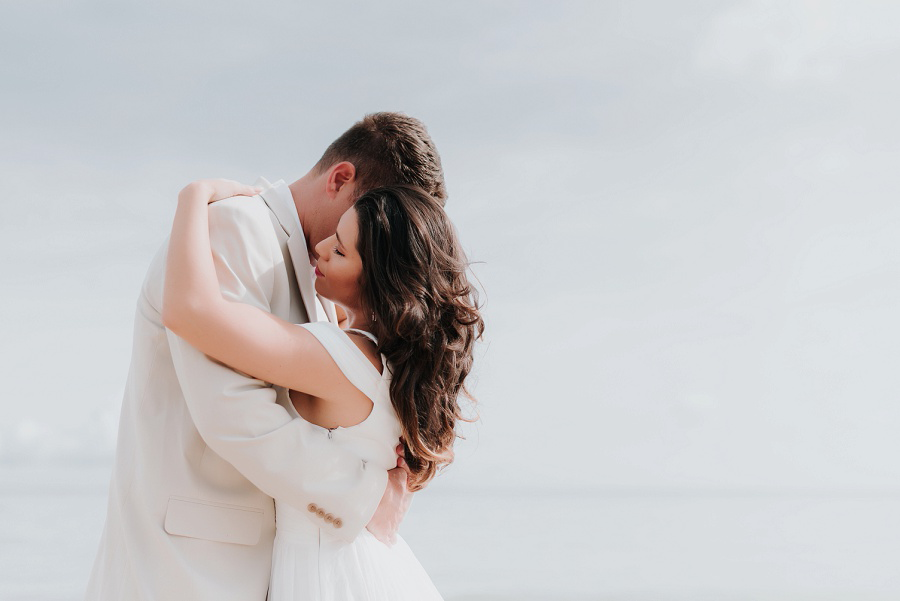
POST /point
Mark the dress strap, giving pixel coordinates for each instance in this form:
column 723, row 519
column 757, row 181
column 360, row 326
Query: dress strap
column 368, row 335
column 349, row 358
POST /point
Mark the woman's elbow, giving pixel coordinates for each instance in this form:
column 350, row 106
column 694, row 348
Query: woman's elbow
column 176, row 315
column 170, row 317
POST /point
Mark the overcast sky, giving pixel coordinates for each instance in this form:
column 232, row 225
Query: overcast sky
column 684, row 214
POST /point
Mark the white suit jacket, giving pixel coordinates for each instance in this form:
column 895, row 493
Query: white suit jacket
column 203, row 449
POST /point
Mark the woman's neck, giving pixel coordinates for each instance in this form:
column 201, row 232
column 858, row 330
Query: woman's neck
column 357, row 320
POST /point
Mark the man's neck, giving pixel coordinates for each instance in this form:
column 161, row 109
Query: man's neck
column 298, row 195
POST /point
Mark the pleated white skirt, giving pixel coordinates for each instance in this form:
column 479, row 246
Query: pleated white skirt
column 310, row 565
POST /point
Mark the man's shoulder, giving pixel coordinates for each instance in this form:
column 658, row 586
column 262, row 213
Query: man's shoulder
column 241, row 205
column 246, row 213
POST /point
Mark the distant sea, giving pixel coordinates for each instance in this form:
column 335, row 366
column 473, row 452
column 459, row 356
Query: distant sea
column 530, row 546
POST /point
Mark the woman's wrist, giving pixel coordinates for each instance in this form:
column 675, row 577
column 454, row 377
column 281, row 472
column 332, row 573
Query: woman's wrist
column 197, row 191
column 211, row 190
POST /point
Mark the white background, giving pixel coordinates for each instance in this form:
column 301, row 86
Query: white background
column 684, row 215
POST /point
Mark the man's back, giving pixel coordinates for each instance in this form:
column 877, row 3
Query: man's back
column 184, row 523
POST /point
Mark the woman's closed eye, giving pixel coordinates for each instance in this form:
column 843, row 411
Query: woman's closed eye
column 337, row 252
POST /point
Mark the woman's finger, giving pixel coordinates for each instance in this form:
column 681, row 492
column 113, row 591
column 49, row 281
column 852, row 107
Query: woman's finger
column 247, row 190
column 227, row 188
column 401, row 463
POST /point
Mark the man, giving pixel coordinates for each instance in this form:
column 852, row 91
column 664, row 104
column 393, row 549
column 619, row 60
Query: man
column 203, row 449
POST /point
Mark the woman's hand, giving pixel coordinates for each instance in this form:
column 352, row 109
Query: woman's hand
column 211, row 190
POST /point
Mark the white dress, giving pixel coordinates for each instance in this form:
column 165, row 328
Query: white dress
column 309, row 563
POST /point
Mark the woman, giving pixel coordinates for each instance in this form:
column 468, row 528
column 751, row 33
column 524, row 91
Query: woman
column 396, row 268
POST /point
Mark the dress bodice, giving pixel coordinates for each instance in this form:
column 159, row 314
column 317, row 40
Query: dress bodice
column 374, row 439
column 308, row 561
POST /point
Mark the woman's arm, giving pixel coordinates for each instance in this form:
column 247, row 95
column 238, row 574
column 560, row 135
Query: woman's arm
column 239, row 335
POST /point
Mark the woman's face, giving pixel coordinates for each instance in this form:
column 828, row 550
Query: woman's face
column 339, row 268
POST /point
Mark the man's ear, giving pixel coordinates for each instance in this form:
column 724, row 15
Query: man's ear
column 340, row 175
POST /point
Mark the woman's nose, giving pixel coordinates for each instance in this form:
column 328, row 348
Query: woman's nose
column 320, row 249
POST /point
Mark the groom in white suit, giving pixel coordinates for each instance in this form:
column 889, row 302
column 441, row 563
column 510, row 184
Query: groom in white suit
column 202, row 449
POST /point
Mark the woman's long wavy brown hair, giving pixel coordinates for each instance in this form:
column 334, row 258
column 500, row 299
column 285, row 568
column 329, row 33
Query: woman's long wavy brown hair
column 426, row 317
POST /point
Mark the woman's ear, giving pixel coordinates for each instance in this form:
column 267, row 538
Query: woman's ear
column 339, row 176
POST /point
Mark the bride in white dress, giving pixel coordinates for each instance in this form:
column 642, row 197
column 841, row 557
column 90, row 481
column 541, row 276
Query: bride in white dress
column 396, row 268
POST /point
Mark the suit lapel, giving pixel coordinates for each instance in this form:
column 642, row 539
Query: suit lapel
column 303, row 271
column 296, row 242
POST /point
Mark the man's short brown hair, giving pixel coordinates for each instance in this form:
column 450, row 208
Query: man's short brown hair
column 388, row 149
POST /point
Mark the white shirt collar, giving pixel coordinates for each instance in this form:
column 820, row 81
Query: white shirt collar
column 279, row 198
column 280, row 192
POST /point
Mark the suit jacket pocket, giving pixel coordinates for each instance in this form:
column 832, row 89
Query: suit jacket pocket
column 219, row 522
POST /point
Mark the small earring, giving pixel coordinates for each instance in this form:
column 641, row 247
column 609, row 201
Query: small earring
column 373, row 316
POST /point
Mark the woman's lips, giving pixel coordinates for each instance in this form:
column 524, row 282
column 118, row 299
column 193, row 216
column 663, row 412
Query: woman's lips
column 319, row 273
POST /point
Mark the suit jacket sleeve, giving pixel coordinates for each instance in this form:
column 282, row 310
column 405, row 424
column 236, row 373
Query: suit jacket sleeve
column 238, row 416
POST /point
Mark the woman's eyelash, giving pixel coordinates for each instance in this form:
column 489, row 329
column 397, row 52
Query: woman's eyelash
column 338, row 252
